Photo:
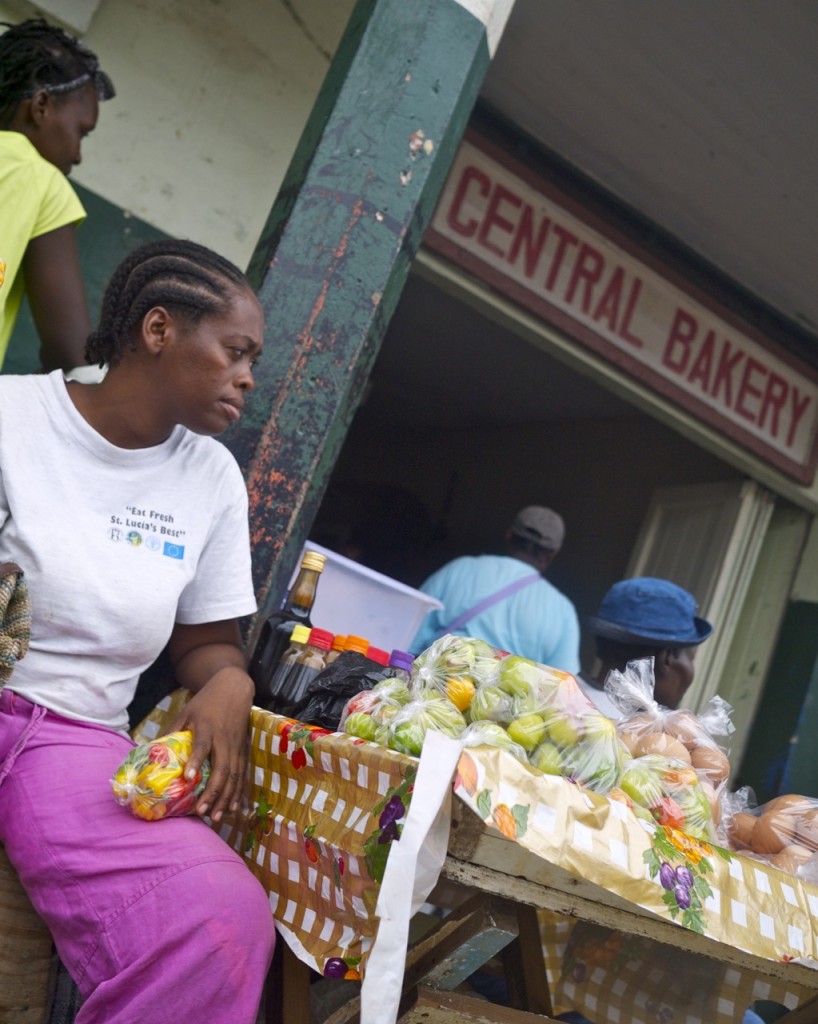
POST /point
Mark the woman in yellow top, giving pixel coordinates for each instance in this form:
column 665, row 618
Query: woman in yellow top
column 50, row 85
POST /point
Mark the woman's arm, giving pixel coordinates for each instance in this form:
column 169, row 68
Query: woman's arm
column 56, row 294
column 208, row 660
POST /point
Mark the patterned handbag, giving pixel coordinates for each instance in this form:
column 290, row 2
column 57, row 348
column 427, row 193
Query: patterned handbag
column 15, row 618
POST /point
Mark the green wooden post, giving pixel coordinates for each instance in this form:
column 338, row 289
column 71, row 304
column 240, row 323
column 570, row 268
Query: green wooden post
column 338, row 245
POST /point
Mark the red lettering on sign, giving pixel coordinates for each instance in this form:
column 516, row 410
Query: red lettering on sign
column 608, row 306
column 703, row 364
column 775, row 395
column 799, row 407
column 566, row 240
column 723, row 381
column 588, row 268
column 469, row 175
column 493, row 218
column 625, row 330
column 523, row 237
column 683, row 330
column 748, row 388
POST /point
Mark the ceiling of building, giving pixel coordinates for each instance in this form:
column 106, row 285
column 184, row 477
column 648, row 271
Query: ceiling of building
column 700, row 115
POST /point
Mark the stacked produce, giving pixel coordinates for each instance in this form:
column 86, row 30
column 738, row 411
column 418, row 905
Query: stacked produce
column 464, row 687
column 783, row 832
column 369, row 713
column 677, row 771
column 668, row 766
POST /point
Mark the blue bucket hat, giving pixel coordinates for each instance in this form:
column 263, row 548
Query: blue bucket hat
column 651, row 611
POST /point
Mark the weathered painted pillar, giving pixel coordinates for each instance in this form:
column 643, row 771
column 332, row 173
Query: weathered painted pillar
column 338, row 244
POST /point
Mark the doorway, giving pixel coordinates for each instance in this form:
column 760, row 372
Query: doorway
column 464, row 422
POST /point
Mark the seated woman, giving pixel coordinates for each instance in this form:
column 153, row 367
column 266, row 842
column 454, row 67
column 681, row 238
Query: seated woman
column 130, row 521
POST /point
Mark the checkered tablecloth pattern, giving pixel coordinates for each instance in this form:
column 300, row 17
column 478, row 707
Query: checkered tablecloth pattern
column 319, row 813
column 614, row 978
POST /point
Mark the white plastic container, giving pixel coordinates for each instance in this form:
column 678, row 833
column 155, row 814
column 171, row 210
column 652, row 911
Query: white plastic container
column 354, row 599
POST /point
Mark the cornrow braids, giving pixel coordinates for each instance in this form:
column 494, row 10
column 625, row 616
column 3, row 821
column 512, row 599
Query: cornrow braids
column 188, row 279
column 35, row 55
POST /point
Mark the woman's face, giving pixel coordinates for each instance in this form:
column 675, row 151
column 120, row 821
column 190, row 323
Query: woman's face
column 208, row 369
column 63, row 123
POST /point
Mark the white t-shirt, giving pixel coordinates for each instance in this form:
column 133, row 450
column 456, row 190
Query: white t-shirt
column 600, row 699
column 116, row 546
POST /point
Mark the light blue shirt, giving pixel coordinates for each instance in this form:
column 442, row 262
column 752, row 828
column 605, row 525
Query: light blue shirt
column 537, row 621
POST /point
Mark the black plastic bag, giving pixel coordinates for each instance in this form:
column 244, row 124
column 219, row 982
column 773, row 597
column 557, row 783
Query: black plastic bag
column 327, row 694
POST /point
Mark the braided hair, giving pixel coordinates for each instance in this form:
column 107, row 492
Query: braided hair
column 188, row 279
column 35, row 55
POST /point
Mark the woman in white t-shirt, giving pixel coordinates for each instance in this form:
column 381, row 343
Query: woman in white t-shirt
column 130, row 521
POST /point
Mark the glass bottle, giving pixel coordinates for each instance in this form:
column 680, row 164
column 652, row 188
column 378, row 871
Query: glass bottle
column 401, row 663
column 339, row 644
column 298, row 641
column 275, row 634
column 304, row 668
column 378, row 655
column 357, row 643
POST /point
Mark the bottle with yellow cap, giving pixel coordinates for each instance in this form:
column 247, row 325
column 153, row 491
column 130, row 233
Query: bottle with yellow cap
column 275, row 634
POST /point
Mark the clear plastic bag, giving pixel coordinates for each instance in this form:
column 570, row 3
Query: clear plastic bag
column 782, row 832
column 672, row 793
column 490, row 734
column 369, row 714
column 150, row 781
column 410, row 725
column 454, row 667
column 647, row 728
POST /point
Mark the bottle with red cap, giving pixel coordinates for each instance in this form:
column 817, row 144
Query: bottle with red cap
column 377, row 655
column 305, row 668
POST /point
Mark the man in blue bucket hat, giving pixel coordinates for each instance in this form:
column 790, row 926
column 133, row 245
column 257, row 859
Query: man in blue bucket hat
column 646, row 617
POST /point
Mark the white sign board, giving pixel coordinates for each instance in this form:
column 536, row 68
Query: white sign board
column 520, row 235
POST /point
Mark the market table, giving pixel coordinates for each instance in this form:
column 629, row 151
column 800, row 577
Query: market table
column 323, row 811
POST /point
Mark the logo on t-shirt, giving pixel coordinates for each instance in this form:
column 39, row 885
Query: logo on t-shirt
column 174, row 550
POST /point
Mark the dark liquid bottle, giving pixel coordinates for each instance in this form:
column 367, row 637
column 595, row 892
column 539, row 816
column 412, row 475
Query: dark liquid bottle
column 275, row 634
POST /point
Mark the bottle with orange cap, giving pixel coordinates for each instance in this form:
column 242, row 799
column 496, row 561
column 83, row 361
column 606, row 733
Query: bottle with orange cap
column 339, row 645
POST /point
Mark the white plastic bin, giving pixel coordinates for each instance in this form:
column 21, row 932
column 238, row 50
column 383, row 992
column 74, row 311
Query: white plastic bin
column 354, row 599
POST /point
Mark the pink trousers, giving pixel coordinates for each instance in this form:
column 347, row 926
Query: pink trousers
column 155, row 921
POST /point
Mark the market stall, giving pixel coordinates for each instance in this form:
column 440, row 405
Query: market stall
column 324, row 810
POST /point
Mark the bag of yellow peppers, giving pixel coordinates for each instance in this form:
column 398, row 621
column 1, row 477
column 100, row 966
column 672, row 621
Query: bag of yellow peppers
column 151, row 783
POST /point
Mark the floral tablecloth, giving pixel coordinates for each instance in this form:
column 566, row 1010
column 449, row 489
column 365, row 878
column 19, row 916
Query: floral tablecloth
column 322, row 810
column 618, row 978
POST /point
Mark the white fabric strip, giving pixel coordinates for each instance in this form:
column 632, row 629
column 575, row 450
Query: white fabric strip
column 412, row 870
column 493, row 14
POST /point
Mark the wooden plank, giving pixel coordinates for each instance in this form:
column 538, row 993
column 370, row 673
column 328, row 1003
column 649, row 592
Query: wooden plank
column 572, row 900
column 433, row 1007
column 806, row 1013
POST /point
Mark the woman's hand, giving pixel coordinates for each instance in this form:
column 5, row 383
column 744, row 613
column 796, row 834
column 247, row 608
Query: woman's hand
column 208, row 660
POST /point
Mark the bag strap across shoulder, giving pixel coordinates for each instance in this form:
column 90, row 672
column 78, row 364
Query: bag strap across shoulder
column 488, row 602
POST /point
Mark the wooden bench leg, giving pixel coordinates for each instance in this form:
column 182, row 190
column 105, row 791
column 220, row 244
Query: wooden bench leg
column 287, row 989
column 524, row 965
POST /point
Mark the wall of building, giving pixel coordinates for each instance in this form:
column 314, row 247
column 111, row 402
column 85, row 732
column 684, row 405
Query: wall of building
column 211, row 100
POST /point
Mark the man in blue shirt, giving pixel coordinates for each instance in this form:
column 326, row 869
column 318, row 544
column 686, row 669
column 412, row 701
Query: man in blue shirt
column 505, row 599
